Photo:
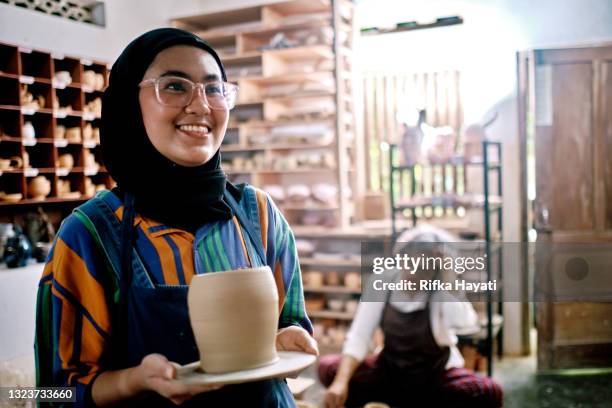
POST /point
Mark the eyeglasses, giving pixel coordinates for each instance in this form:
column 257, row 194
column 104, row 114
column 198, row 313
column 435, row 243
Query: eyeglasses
column 178, row 92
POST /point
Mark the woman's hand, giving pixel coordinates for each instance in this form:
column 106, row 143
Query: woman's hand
column 155, row 373
column 294, row 338
column 336, row 395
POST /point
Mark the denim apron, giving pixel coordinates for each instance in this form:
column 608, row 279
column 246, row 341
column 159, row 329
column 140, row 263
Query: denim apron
column 155, row 318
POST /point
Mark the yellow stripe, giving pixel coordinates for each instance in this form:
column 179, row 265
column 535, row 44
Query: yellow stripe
column 244, row 249
column 262, row 205
column 280, row 286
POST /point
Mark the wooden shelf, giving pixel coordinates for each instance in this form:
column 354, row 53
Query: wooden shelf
column 242, row 36
column 332, row 289
column 48, row 200
column 289, row 78
column 340, row 262
column 288, row 146
column 285, row 98
column 329, row 314
column 308, row 208
column 304, row 52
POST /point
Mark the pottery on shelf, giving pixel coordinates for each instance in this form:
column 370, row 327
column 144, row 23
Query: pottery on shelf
column 11, row 198
column 39, row 188
column 89, row 78
column 73, row 134
column 28, row 132
column 60, row 132
column 66, row 161
column 87, row 132
column 219, row 305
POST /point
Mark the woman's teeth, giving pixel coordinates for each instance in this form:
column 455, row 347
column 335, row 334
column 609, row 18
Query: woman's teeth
column 194, row 128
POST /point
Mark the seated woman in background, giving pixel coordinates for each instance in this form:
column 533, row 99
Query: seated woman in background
column 420, row 363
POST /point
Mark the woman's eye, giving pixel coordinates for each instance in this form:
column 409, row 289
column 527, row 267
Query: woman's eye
column 174, row 87
column 214, row 89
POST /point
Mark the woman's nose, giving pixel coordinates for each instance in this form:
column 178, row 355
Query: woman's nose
column 198, row 101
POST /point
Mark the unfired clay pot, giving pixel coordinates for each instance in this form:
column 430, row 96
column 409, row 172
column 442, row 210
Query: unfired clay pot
column 39, row 187
column 234, row 317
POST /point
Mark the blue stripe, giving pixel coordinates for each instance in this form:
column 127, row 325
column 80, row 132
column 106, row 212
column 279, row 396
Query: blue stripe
column 77, row 237
column 45, row 279
column 150, row 257
column 59, row 376
column 157, row 228
column 178, row 262
column 79, row 307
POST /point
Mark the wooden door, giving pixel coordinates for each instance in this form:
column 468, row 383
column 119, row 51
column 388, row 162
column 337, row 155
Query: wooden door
column 565, row 104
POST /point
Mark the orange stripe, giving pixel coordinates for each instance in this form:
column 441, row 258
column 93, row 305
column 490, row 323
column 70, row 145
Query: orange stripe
column 262, row 204
column 166, row 257
column 244, row 249
column 66, row 343
column 48, row 270
column 86, row 379
column 71, row 273
column 280, row 285
column 184, row 242
column 92, row 344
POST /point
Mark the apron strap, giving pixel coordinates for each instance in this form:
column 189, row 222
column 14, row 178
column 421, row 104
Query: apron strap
column 246, row 224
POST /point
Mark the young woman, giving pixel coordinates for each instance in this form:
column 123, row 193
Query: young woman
column 112, row 312
column 420, row 364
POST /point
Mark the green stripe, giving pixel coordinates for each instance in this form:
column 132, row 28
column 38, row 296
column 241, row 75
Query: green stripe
column 211, row 251
column 204, row 257
column 224, row 259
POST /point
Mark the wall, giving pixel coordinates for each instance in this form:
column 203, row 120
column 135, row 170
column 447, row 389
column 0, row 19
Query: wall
column 484, row 49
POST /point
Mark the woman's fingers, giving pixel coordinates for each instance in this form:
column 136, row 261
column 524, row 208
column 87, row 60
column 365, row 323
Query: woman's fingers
column 294, row 338
column 160, row 375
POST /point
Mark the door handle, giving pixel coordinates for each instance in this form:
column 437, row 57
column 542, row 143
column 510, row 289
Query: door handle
column 541, row 219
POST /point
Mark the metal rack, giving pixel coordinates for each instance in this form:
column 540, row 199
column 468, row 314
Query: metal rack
column 489, row 206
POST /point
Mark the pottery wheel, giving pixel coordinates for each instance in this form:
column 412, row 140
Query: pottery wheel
column 288, row 362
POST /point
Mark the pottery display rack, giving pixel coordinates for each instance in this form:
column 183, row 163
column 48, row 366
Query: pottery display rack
column 38, row 111
column 294, row 123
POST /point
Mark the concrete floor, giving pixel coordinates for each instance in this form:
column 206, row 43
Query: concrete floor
column 524, row 389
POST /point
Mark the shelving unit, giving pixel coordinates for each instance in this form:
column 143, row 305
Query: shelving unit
column 294, row 122
column 449, row 195
column 49, row 107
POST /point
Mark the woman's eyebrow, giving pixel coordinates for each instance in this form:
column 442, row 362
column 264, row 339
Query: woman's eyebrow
column 211, row 77
column 208, row 77
column 176, row 73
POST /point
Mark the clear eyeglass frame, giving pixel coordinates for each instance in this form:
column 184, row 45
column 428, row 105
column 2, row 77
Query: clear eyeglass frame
column 230, row 92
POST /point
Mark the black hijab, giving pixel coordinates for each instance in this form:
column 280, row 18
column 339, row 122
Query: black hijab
column 182, row 197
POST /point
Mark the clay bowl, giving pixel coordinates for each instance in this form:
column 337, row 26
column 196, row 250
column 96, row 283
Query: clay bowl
column 12, row 198
column 234, row 317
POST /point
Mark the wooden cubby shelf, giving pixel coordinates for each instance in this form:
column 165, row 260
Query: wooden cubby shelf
column 48, row 108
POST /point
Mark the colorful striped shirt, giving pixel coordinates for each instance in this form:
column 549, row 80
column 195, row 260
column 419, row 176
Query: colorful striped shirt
column 76, row 290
